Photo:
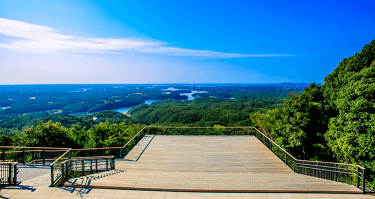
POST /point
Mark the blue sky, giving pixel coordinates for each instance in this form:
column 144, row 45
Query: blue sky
column 51, row 42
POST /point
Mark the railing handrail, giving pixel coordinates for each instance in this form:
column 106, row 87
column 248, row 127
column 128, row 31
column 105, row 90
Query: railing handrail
column 9, row 152
column 90, row 149
column 92, row 157
column 39, row 160
column 134, row 136
column 8, row 162
column 337, row 163
column 26, row 147
column 221, row 127
column 60, row 157
column 275, row 144
column 332, row 163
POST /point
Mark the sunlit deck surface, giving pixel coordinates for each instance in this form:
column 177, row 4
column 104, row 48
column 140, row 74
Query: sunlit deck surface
column 209, row 163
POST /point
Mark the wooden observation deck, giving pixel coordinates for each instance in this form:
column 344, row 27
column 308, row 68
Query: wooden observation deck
column 207, row 164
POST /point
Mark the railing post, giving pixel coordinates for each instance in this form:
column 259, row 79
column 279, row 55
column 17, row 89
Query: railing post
column 326, row 172
column 357, row 174
column 363, row 181
column 96, row 165
column 113, row 164
column 52, row 176
column 106, row 163
column 83, row 167
column 15, row 174
column 336, row 173
column 91, row 166
column 10, row 174
column 3, row 154
column 63, row 173
column 103, row 152
column 285, row 157
column 44, row 157
column 23, row 156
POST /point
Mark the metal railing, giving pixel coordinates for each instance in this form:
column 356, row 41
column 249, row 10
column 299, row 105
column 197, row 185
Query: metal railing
column 60, row 169
column 229, row 131
column 346, row 173
column 89, row 165
column 117, row 152
column 339, row 172
column 8, row 173
column 30, row 155
column 65, row 168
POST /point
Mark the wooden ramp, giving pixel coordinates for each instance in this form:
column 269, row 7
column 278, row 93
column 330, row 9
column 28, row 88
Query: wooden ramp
column 207, row 164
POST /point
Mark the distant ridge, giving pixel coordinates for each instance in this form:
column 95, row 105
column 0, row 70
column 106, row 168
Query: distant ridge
column 294, row 84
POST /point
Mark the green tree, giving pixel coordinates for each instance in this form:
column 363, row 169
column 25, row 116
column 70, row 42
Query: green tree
column 47, row 134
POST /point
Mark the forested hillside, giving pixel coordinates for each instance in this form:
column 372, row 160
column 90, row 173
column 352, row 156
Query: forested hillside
column 203, row 111
column 21, row 122
column 334, row 121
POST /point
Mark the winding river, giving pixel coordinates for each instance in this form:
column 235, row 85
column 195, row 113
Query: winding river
column 125, row 109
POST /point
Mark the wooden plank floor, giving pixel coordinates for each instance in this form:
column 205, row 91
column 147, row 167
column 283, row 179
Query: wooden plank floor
column 226, row 163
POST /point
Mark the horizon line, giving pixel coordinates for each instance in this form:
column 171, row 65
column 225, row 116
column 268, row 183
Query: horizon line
column 144, row 83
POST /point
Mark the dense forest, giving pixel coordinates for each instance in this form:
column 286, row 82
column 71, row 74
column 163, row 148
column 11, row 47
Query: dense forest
column 203, row 111
column 334, row 121
column 330, row 122
column 44, row 100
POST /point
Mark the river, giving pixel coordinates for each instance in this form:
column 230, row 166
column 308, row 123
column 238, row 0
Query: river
column 190, row 95
column 121, row 110
column 125, row 109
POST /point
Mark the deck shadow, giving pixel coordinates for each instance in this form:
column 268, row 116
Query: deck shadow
column 141, row 152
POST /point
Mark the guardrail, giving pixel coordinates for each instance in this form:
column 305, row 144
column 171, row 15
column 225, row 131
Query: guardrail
column 89, row 165
column 30, row 155
column 339, row 172
column 8, row 173
column 346, row 173
column 117, row 152
column 64, row 169
column 229, row 131
column 60, row 169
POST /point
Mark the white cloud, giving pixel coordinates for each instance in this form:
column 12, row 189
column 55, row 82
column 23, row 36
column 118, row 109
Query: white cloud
column 42, row 39
column 200, row 53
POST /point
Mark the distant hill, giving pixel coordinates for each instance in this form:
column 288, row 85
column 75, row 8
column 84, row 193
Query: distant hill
column 20, row 122
column 293, row 84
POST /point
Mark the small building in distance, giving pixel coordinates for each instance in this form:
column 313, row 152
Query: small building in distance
column 95, row 119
